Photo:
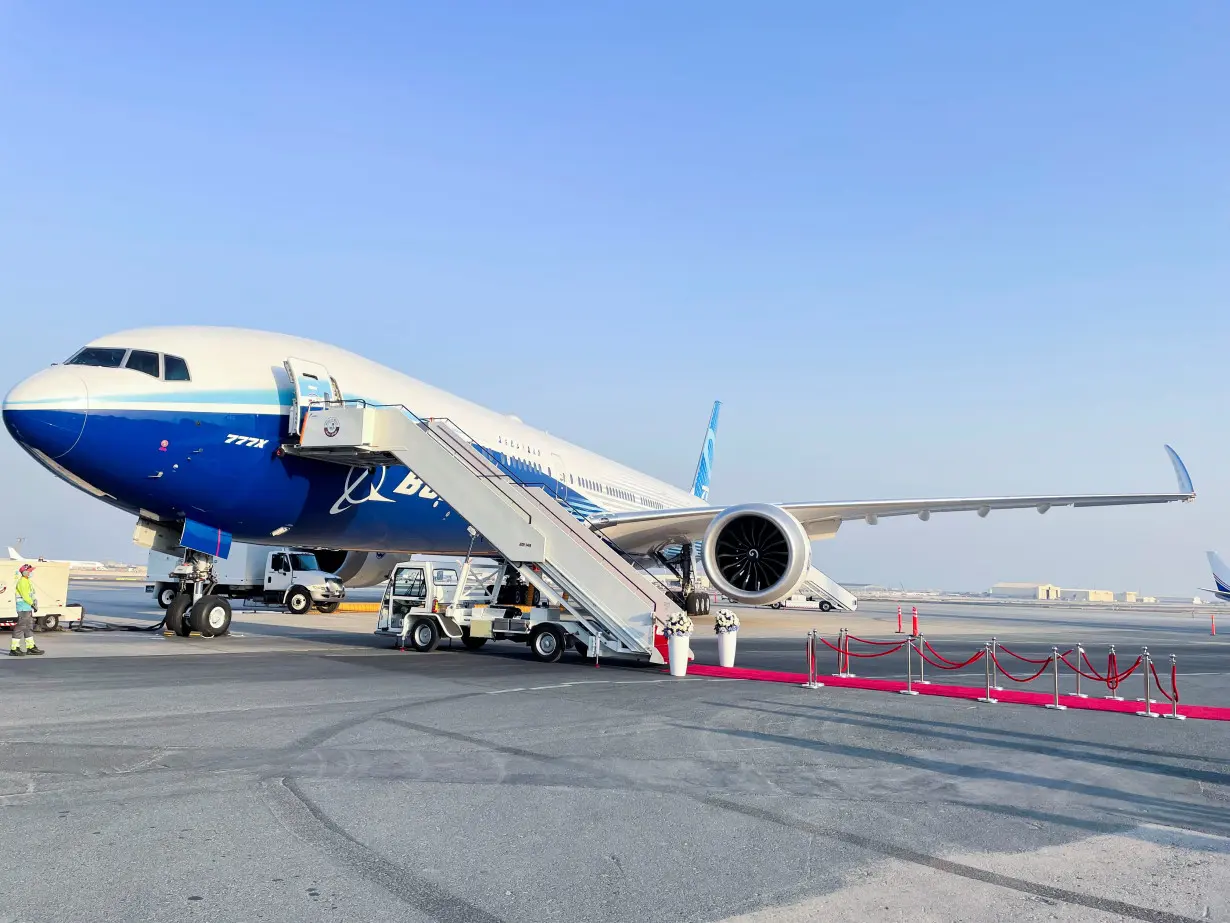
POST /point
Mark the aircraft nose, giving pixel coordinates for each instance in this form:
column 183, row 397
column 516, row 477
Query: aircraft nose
column 47, row 411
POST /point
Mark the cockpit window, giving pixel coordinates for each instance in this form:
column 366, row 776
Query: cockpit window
column 106, row 357
column 142, row 361
column 175, row 369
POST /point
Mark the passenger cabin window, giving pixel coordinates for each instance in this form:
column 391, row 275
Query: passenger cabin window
column 104, row 357
column 175, row 369
column 141, row 361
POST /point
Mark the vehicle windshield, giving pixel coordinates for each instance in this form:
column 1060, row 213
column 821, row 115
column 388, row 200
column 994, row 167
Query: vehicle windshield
column 304, row 561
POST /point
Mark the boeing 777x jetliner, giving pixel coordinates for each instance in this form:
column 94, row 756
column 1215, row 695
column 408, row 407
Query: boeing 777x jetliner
column 185, row 427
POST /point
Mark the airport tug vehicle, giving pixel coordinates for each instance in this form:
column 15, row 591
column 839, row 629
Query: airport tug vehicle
column 425, row 602
column 50, row 582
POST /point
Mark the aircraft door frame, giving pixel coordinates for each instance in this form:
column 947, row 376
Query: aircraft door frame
column 310, row 384
column 560, row 474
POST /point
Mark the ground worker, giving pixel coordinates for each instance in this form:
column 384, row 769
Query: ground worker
column 27, row 605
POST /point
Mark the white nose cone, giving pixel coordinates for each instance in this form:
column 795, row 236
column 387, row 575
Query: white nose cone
column 48, row 410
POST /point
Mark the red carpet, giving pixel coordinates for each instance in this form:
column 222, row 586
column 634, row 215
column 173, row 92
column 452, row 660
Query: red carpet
column 1007, row 696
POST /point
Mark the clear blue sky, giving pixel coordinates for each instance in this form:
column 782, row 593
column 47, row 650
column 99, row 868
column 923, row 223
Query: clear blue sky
column 918, row 250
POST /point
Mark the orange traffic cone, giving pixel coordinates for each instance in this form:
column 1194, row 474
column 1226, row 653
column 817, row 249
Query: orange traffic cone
column 898, row 620
column 914, row 621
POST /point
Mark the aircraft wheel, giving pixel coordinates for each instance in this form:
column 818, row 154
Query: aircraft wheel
column 298, row 600
column 547, row 643
column 211, row 616
column 177, row 613
column 424, row 635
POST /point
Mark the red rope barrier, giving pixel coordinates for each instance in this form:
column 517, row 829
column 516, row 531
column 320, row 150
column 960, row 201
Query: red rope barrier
column 1019, row 657
column 1041, row 670
column 1174, row 688
column 1122, row 676
column 1096, row 675
column 850, row 637
column 951, row 664
column 1095, row 678
column 891, row 650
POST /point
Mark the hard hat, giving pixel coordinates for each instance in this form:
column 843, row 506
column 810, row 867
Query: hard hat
column 25, row 568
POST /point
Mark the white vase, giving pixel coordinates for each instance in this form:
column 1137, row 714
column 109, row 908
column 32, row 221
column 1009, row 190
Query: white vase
column 677, row 649
column 726, row 648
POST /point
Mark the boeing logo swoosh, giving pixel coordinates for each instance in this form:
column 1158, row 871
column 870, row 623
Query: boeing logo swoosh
column 372, row 481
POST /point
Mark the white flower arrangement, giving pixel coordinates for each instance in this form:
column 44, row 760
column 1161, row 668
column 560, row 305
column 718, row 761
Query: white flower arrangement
column 725, row 621
column 678, row 624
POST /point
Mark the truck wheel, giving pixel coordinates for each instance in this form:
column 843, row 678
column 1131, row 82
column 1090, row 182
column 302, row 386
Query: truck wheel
column 826, row 606
column 512, row 612
column 176, row 613
column 49, row 622
column 164, row 593
column 547, row 643
column 298, row 600
column 424, row 635
column 327, row 608
column 211, row 616
column 776, row 605
column 581, row 648
column 471, row 643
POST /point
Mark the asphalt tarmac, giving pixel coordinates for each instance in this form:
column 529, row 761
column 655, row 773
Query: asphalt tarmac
column 302, row 771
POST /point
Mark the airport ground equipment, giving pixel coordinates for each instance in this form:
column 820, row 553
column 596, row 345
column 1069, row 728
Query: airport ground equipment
column 273, row 576
column 50, row 582
column 825, row 592
column 425, row 603
column 612, row 605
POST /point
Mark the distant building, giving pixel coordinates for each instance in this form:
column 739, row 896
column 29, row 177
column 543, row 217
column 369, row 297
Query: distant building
column 1180, row 600
column 1026, row 591
column 1089, row 596
column 1127, row 596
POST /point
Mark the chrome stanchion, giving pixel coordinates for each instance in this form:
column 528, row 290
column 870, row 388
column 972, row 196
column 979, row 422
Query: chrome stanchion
column 995, row 676
column 1174, row 703
column 841, row 650
column 909, row 669
column 1112, row 660
column 1146, row 664
column 811, row 683
column 1080, row 652
column 922, row 663
column 1055, row 660
column 988, row 698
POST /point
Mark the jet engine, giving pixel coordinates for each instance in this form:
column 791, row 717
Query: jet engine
column 756, row 553
column 360, row 568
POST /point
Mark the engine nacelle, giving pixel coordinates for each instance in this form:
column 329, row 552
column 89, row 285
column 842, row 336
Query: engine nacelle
column 756, row 553
column 360, row 568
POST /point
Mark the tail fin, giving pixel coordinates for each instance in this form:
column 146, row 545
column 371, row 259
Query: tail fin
column 14, row 554
column 1221, row 573
column 704, row 465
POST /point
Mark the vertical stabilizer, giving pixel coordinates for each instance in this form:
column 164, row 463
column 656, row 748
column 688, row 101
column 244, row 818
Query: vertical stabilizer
column 1221, row 573
column 704, row 465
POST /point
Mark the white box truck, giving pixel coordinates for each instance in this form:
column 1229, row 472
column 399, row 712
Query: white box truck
column 274, row 576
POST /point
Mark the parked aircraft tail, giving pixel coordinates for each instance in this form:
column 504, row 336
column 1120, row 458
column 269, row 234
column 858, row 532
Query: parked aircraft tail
column 704, row 465
column 1221, row 575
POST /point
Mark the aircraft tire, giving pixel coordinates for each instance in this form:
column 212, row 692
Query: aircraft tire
column 424, row 635
column 698, row 604
column 298, row 600
column 177, row 613
column 211, row 616
column 547, row 643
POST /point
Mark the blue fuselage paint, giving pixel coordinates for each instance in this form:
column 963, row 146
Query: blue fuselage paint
column 180, row 465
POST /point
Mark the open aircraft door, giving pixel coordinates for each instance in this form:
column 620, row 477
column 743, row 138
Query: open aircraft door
column 311, row 384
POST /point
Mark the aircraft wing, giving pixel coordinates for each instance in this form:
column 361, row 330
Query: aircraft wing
column 641, row 532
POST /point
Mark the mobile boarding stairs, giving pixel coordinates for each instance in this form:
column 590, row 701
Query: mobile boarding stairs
column 615, row 603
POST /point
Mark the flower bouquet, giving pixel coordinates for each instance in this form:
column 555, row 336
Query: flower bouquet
column 726, row 625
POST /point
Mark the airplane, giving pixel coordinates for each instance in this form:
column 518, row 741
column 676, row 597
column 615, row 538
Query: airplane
column 1221, row 577
column 15, row 555
column 184, row 427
